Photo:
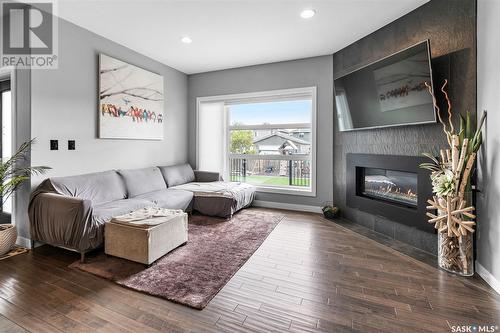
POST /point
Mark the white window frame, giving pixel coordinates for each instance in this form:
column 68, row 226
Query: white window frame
column 271, row 95
column 9, row 73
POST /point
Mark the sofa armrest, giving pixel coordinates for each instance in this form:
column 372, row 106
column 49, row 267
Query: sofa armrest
column 206, row 176
column 61, row 220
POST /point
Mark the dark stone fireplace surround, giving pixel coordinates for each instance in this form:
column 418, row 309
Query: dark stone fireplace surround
column 450, row 25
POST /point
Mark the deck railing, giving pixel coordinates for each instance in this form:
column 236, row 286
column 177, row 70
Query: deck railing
column 271, row 170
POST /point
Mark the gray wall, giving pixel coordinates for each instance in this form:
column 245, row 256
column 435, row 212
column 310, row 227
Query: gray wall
column 450, row 25
column 488, row 246
column 64, row 105
column 315, row 71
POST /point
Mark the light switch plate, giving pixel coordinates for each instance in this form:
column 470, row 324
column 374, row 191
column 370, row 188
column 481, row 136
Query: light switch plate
column 54, row 144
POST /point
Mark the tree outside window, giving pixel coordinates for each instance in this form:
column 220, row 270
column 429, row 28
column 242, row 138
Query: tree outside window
column 242, row 142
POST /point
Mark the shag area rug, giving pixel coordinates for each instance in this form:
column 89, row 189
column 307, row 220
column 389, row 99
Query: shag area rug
column 195, row 272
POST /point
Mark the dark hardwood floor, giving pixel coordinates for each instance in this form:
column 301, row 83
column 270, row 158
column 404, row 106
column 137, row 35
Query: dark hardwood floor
column 310, row 275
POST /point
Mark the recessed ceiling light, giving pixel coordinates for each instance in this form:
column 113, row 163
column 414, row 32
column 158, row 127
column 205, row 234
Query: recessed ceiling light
column 307, row 13
column 186, row 40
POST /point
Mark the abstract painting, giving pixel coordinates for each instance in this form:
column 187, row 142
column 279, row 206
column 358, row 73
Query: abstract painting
column 131, row 101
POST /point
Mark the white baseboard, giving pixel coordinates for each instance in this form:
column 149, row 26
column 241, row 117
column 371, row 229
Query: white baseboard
column 24, row 242
column 488, row 277
column 281, row 205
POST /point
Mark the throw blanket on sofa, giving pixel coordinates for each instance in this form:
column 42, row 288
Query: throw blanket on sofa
column 219, row 189
column 219, row 198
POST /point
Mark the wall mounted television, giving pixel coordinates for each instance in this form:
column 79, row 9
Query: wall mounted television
column 388, row 92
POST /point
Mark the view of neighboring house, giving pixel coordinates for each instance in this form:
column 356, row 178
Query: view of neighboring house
column 303, row 133
column 284, row 142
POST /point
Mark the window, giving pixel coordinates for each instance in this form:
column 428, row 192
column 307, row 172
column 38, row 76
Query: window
column 6, row 139
column 268, row 139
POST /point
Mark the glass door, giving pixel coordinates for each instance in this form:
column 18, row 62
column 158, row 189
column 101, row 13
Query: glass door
column 5, row 141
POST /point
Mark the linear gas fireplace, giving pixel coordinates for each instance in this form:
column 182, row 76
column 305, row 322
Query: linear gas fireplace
column 390, row 186
column 398, row 187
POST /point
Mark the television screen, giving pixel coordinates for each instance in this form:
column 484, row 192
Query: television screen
column 389, row 92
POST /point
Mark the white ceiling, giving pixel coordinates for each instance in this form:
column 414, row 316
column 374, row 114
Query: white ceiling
column 232, row 33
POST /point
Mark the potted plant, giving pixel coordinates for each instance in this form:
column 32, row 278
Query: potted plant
column 451, row 181
column 12, row 175
column 330, row 211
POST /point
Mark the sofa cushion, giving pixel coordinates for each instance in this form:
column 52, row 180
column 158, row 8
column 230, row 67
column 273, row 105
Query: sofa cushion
column 104, row 212
column 98, row 187
column 140, row 181
column 178, row 174
column 171, row 199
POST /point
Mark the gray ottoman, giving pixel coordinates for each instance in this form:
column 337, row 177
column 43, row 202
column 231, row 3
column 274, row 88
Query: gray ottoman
column 145, row 235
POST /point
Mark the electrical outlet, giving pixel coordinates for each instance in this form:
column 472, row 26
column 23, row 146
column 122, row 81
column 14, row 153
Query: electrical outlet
column 54, row 144
column 71, row 145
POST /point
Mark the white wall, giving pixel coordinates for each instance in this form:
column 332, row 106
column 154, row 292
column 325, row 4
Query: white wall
column 488, row 93
column 64, row 105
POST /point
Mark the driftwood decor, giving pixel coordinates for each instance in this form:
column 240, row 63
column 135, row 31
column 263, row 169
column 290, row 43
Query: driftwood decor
column 451, row 208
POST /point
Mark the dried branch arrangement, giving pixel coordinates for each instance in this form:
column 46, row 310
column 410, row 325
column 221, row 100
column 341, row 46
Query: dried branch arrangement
column 450, row 175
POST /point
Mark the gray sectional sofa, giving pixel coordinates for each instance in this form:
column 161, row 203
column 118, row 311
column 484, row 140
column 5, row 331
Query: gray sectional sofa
column 71, row 212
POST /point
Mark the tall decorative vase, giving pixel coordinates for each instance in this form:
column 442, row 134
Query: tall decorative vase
column 455, row 253
column 451, row 175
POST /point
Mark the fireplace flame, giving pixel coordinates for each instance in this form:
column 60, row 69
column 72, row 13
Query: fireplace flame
column 392, row 193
